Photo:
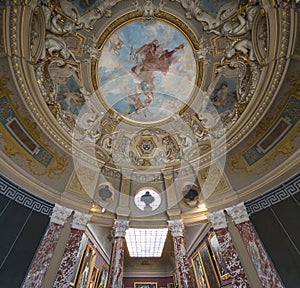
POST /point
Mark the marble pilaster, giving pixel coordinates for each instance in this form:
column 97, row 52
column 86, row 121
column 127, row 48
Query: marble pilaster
column 264, row 268
column 115, row 276
column 66, row 269
column 182, row 266
column 229, row 253
column 48, row 244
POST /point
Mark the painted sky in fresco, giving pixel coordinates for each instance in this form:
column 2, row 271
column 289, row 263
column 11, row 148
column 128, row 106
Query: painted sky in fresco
column 169, row 90
column 212, row 6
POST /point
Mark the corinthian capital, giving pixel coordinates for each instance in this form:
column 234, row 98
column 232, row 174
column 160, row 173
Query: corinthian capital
column 176, row 227
column 238, row 213
column 60, row 214
column 217, row 219
column 80, row 220
column 120, row 227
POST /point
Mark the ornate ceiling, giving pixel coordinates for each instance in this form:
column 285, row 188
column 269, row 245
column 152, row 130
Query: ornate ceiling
column 195, row 100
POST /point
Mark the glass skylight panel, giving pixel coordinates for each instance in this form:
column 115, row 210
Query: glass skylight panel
column 146, row 242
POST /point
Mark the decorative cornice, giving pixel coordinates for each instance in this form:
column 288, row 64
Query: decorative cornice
column 238, row 213
column 284, row 191
column 19, row 195
column 60, row 214
column 80, row 220
column 217, row 219
column 176, row 227
column 120, row 227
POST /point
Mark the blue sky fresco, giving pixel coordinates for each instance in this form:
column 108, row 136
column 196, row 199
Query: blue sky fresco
column 212, row 6
column 169, row 89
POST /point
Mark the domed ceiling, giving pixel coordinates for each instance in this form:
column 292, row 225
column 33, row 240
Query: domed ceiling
column 183, row 100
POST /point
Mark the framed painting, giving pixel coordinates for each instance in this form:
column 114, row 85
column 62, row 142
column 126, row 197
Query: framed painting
column 94, row 277
column 81, row 250
column 198, row 272
column 86, row 267
column 145, row 284
column 208, row 267
column 102, row 277
column 175, row 278
column 217, row 256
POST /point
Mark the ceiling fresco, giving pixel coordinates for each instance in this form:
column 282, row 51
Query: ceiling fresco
column 147, row 70
column 151, row 94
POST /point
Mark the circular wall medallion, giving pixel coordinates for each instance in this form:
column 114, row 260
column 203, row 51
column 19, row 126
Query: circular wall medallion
column 147, row 71
column 147, row 200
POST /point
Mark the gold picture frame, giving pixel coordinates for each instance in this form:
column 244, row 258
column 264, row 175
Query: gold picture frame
column 145, row 284
column 94, row 277
column 199, row 272
column 218, row 257
column 80, row 255
column 210, row 273
column 86, row 267
column 102, row 277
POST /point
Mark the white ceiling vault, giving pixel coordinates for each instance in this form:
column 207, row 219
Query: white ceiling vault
column 196, row 101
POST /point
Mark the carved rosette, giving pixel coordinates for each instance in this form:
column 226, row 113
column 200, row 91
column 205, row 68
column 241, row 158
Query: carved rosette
column 80, row 220
column 217, row 219
column 238, row 213
column 60, row 214
column 120, row 227
column 176, row 227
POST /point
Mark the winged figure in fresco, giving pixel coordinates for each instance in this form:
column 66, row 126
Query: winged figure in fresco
column 151, row 57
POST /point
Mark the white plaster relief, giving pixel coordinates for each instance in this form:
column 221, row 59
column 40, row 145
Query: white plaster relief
column 217, row 219
column 176, row 227
column 238, row 213
column 120, row 227
column 80, row 220
column 60, row 214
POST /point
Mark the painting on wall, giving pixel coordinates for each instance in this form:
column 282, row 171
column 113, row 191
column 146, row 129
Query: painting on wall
column 79, row 258
column 102, row 278
column 94, row 277
column 224, row 96
column 198, row 272
column 86, row 267
column 217, row 255
column 146, row 72
column 208, row 267
column 145, row 284
column 212, row 6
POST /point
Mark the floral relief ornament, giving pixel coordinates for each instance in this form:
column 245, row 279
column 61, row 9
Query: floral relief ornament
column 217, row 219
column 80, row 220
column 60, row 214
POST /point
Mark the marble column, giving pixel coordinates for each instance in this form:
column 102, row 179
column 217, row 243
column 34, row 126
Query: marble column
column 115, row 276
column 229, row 253
column 265, row 269
column 47, row 246
column 66, row 268
column 182, row 266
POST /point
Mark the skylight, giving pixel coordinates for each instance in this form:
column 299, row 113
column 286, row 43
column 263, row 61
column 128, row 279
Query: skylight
column 146, row 242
